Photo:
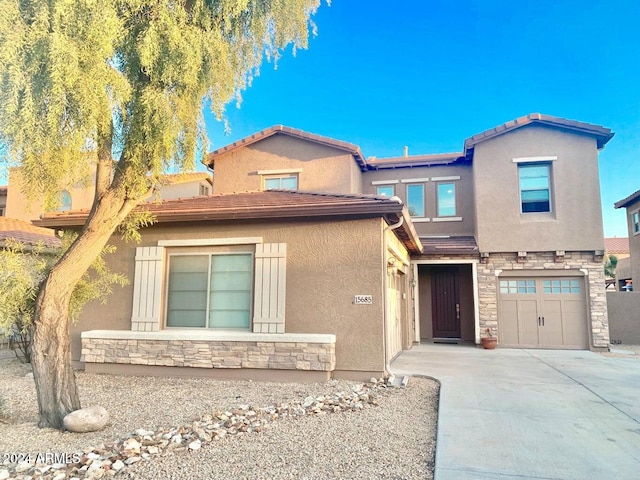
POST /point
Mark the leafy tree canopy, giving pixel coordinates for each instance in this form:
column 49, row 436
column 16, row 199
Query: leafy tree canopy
column 128, row 76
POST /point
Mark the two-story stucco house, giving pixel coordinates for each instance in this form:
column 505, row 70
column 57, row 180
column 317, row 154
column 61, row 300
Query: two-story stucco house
column 310, row 260
column 632, row 206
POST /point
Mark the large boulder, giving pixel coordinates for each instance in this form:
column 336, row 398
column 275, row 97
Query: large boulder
column 90, row 419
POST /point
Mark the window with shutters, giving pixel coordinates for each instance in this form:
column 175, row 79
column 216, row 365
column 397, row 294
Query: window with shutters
column 235, row 283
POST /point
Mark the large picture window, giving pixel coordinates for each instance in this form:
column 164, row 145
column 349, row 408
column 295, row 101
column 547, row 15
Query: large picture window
column 210, row 291
column 535, row 193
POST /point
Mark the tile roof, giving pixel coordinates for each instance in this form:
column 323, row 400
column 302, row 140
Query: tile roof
column 26, row 233
column 625, row 202
column 184, row 177
column 449, row 245
column 602, row 134
column 293, row 132
column 413, row 161
column 272, row 204
column 616, row 245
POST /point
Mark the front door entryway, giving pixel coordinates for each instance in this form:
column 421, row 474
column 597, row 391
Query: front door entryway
column 445, row 302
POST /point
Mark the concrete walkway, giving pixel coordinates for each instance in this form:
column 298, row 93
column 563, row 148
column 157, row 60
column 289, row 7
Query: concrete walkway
column 532, row 414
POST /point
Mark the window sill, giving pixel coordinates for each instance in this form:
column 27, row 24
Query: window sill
column 211, row 335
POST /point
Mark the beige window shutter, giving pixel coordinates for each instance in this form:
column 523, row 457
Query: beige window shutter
column 270, row 288
column 147, row 289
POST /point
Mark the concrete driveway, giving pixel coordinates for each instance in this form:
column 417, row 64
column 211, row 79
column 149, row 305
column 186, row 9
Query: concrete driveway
column 531, row 414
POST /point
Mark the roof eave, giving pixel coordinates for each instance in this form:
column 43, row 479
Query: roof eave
column 625, row 202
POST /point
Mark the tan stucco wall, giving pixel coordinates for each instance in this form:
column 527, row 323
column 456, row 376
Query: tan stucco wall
column 20, row 207
column 634, row 245
column 324, row 169
column 576, row 219
column 464, row 195
column 183, row 190
column 327, row 264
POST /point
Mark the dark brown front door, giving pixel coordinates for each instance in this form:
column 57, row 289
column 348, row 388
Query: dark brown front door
column 445, row 302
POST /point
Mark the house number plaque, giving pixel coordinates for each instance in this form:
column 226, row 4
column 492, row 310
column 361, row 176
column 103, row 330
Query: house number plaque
column 363, row 299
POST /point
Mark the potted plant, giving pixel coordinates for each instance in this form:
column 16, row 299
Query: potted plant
column 489, row 342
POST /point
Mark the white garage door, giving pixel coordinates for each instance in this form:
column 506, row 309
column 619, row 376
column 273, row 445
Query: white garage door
column 543, row 312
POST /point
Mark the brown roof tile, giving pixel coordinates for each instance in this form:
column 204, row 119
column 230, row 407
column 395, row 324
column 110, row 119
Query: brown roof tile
column 25, row 232
column 273, row 204
column 616, row 245
column 449, row 245
column 602, row 134
column 293, row 132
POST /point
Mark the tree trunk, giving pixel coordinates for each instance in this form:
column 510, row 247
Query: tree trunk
column 51, row 347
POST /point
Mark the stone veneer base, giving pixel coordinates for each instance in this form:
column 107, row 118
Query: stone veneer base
column 207, row 350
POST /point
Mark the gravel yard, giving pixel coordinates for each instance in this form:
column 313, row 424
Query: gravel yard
column 394, row 440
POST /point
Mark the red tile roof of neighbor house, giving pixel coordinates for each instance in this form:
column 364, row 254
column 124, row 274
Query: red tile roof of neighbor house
column 625, row 202
column 26, row 233
column 185, row 177
column 293, row 132
column 602, row 134
column 616, row 245
column 267, row 205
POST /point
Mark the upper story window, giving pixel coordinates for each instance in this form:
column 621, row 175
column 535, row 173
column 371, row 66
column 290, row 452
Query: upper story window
column 535, row 191
column 64, row 201
column 635, row 222
column 385, row 190
column 415, row 199
column 204, row 190
column 210, row 290
column 281, row 182
column 446, row 199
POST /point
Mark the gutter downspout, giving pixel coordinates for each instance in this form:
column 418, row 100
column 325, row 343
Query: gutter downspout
column 386, row 286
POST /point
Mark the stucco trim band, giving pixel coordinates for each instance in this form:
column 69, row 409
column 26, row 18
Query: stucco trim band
column 548, row 158
column 279, row 171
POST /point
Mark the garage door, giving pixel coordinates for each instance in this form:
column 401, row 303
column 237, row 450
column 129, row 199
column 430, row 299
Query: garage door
column 543, row 312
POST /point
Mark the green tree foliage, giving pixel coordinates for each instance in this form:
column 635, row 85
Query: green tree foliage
column 25, row 269
column 118, row 87
column 610, row 264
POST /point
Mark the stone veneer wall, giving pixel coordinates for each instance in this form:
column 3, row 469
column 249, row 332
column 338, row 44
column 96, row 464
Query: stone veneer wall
column 595, row 283
column 211, row 354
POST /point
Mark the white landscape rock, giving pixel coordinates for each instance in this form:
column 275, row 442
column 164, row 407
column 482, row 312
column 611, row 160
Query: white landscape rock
column 90, row 419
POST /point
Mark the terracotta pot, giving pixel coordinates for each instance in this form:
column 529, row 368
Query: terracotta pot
column 489, row 343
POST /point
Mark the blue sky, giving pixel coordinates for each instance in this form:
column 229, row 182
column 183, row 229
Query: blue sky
column 430, row 74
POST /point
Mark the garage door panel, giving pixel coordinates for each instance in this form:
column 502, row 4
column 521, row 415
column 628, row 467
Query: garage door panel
column 551, row 334
column 509, row 322
column 575, row 323
column 528, row 322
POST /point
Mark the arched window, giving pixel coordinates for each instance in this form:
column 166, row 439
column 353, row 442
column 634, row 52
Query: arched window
column 64, row 201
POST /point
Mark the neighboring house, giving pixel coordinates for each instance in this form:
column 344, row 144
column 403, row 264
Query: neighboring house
column 26, row 233
column 310, row 260
column 3, row 200
column 79, row 196
column 632, row 206
column 619, row 248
